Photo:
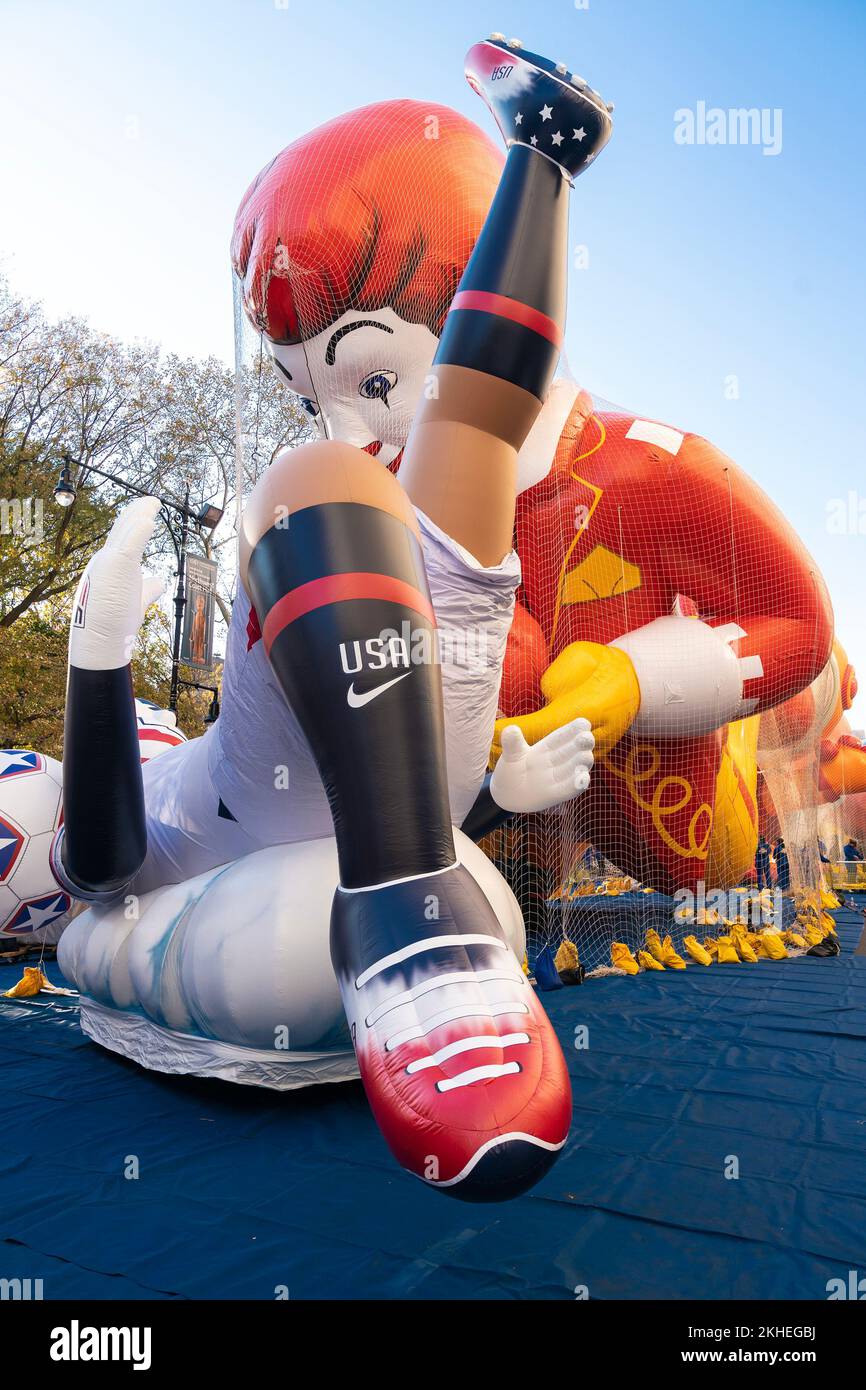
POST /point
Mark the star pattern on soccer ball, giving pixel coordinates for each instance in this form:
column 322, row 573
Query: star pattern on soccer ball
column 579, row 134
column 518, row 119
column 546, row 113
column 18, row 760
column 558, row 138
column 533, row 139
column 37, row 917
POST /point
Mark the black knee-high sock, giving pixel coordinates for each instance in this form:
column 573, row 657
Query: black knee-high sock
column 508, row 314
column 347, row 622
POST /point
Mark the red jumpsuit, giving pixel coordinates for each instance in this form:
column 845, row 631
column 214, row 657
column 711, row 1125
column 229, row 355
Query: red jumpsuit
column 636, row 521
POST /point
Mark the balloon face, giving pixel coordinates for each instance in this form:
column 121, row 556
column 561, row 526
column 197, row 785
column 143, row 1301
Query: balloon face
column 348, row 248
column 365, row 373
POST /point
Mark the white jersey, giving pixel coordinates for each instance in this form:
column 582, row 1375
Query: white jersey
column 251, row 781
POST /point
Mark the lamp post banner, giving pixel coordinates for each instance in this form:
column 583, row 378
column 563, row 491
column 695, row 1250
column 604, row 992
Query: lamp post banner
column 198, row 619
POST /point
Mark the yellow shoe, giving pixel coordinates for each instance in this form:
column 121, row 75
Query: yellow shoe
column 727, row 951
column 711, row 946
column 774, row 945
column 649, row 962
column 622, row 958
column 654, row 945
column 670, row 957
column 697, row 951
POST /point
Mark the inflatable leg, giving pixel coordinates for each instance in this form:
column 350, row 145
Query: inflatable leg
column 502, row 337
column 331, row 559
column 416, row 946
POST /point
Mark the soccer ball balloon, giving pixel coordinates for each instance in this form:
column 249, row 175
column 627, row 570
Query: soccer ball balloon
column 157, row 729
column 30, row 812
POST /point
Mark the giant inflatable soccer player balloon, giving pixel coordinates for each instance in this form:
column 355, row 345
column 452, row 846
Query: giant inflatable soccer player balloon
column 347, row 578
column 663, row 595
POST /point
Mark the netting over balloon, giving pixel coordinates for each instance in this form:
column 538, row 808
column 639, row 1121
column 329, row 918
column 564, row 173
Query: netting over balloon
column 664, row 596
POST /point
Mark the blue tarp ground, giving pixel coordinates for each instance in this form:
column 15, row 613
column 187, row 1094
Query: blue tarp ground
column 241, row 1191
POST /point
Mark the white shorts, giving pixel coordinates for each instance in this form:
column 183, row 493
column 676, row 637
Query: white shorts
column 251, row 781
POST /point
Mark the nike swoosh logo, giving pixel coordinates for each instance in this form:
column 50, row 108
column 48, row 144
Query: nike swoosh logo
column 356, row 701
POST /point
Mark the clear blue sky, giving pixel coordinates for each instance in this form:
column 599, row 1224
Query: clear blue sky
column 130, row 131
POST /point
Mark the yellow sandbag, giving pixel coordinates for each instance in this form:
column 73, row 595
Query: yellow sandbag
column 649, row 962
column 793, row 938
column 30, row 983
column 623, row 959
column 727, row 951
column 697, row 951
column 774, row 945
column 670, row 959
column 566, row 957
column 654, row 945
column 711, row 946
column 743, row 946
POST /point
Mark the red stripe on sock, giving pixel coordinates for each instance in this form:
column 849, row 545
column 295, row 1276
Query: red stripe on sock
column 506, row 308
column 336, row 588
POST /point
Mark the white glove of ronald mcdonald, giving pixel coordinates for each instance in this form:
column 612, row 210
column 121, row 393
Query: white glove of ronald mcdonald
column 114, row 594
column 690, row 678
column 535, row 777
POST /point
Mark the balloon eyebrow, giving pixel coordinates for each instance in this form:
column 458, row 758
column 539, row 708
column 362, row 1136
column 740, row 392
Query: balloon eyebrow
column 331, row 352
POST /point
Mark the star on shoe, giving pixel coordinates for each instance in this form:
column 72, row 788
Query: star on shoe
column 518, row 119
column 558, row 138
column 579, row 134
column 546, row 113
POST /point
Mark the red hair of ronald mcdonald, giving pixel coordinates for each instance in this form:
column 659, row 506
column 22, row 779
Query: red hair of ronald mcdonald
column 380, row 207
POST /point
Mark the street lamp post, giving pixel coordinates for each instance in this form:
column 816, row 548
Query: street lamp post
column 207, row 516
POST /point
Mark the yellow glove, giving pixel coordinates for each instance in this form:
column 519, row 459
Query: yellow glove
column 622, row 958
column 587, row 680
column 697, row 951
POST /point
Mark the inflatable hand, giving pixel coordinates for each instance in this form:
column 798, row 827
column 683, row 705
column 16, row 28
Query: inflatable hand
column 534, row 777
column 114, row 594
column 587, row 680
column 691, row 680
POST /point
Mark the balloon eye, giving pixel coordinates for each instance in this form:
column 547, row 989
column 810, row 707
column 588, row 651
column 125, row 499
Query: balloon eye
column 377, row 386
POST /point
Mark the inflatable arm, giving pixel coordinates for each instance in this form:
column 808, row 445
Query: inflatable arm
column 103, row 840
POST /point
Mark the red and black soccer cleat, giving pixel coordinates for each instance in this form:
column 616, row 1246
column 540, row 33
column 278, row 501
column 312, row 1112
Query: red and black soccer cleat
column 460, row 1063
